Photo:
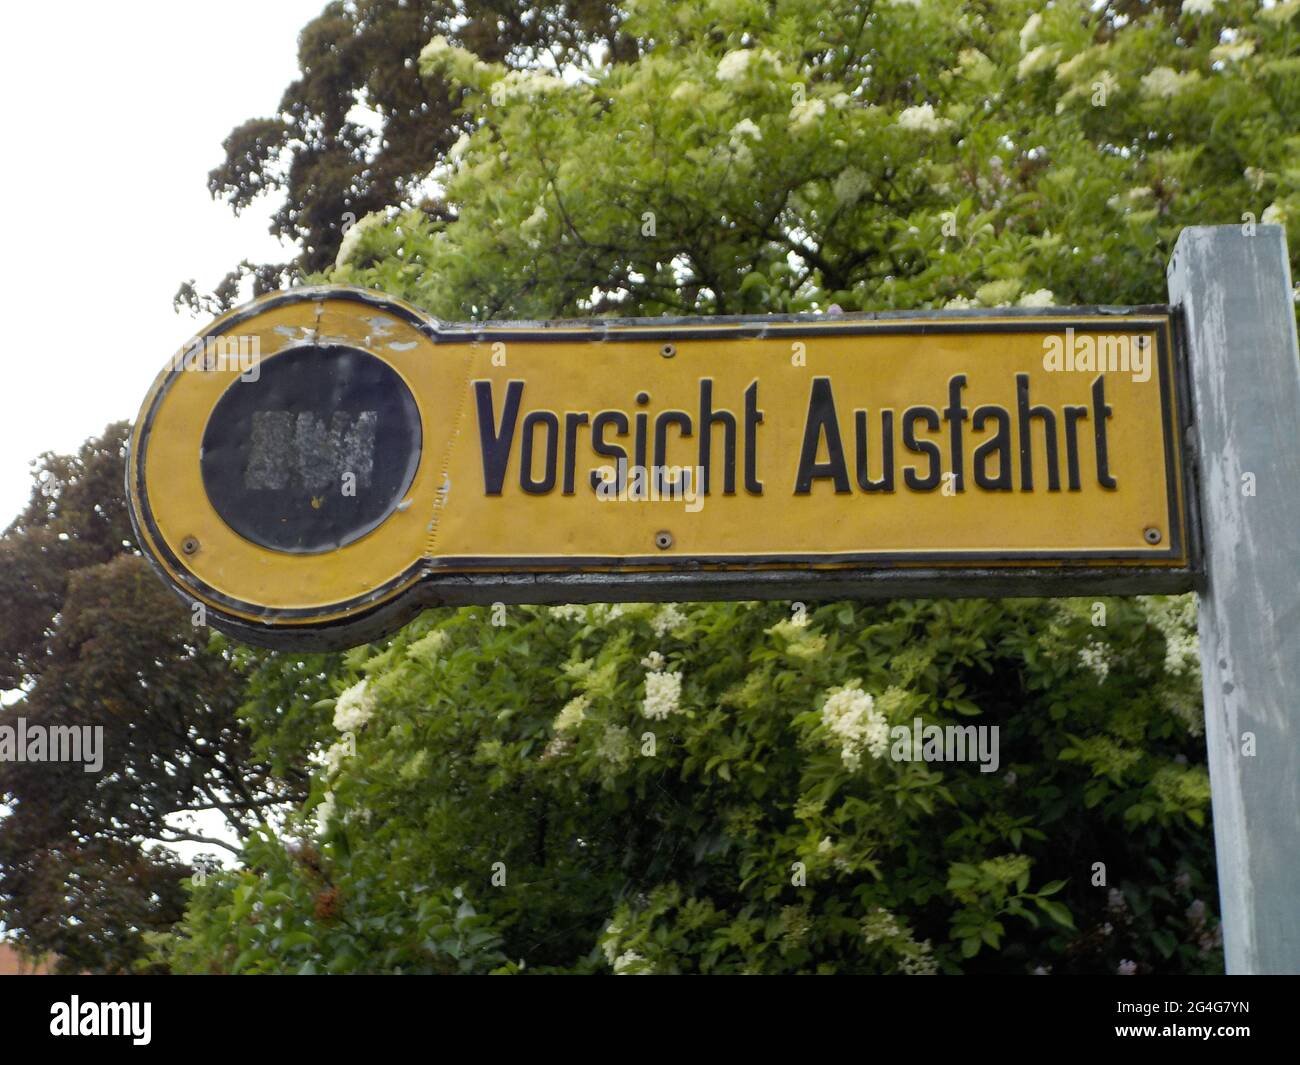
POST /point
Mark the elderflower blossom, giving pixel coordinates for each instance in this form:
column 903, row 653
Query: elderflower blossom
column 805, row 113
column 575, row 710
column 667, row 619
column 1234, row 52
column 615, row 746
column 1274, row 214
column 458, row 149
column 1096, row 657
column 1164, row 82
column 1043, row 297
column 1029, row 30
column 663, row 694
column 1279, row 13
column 326, row 812
column 1176, row 620
column 572, row 612
column 352, row 238
column 1040, row 58
column 850, row 185
column 922, row 118
column 852, row 719
column 524, row 85
column 734, row 65
column 353, row 708
column 654, row 660
column 336, row 753
column 428, row 646
column 1199, row 7
column 630, row 963
column 745, row 128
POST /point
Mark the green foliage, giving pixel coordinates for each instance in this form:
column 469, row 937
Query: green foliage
column 91, row 639
column 779, row 158
column 728, row 827
column 341, row 914
column 358, row 129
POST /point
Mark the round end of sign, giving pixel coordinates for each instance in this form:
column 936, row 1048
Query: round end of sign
column 274, row 464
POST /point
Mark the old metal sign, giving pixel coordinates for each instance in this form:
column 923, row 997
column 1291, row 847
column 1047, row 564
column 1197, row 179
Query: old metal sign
column 320, row 464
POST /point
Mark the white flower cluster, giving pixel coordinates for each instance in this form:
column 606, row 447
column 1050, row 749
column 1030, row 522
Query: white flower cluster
column 428, row 646
column 1029, row 30
column 353, row 708
column 336, row 752
column 1233, row 52
column 575, row 710
column 851, row 717
column 1039, row 58
column 850, row 185
column 348, row 245
column 630, row 963
column 616, row 745
column 325, row 813
column 654, row 660
column 524, row 85
column 1096, row 657
column 458, row 149
column 1164, row 82
column 663, row 694
column 805, row 113
column 667, row 619
column 1199, row 7
column 1176, row 620
column 735, row 65
column 922, row 118
column 571, row 612
column 880, row 925
column 1044, row 297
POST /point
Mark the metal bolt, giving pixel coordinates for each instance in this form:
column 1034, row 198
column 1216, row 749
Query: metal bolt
column 190, row 545
column 663, row 539
column 668, row 351
column 1151, row 534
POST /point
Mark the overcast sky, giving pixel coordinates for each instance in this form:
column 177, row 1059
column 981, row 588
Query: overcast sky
column 117, row 114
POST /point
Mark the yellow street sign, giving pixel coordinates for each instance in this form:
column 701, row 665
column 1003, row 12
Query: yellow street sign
column 320, row 463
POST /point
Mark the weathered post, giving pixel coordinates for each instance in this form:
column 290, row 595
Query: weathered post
column 1233, row 284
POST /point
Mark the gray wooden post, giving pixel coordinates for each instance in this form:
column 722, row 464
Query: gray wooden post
column 1233, row 284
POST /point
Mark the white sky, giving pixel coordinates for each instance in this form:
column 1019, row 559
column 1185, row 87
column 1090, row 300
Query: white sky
column 118, row 113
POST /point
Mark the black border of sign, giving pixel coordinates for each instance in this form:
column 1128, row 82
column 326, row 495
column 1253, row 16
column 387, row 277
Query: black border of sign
column 551, row 579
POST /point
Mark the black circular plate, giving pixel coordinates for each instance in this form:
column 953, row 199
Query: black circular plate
column 314, row 453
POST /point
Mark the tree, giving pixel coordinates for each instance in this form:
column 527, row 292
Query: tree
column 93, row 640
column 699, row 788
column 360, row 128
